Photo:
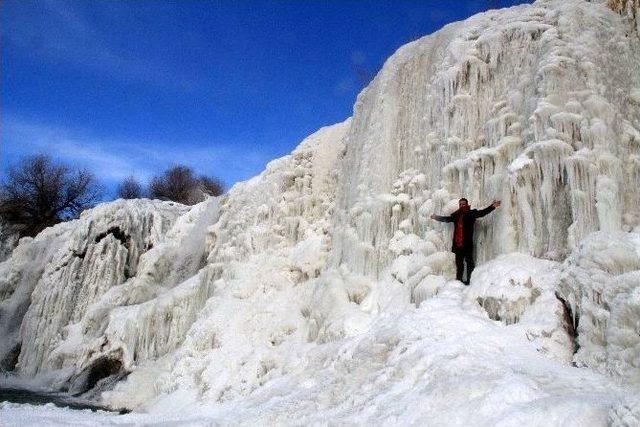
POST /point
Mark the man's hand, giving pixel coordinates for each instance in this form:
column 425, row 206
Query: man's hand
column 432, row 216
column 496, row 203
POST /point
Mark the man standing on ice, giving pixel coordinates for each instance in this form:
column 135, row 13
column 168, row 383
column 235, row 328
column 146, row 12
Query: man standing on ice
column 464, row 220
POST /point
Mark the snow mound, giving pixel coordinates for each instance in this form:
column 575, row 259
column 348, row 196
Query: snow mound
column 520, row 291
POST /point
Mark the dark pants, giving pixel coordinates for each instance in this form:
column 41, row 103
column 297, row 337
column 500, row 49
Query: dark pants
column 463, row 256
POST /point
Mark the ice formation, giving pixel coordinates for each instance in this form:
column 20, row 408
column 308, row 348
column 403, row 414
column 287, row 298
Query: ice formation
column 8, row 240
column 601, row 283
column 321, row 290
column 51, row 282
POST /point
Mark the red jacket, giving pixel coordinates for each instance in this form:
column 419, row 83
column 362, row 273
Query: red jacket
column 467, row 219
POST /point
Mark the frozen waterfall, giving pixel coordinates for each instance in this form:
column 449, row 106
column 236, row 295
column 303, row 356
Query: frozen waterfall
column 320, row 289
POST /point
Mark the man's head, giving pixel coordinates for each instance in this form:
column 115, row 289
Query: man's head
column 463, row 204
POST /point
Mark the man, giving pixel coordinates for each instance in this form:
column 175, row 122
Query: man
column 463, row 222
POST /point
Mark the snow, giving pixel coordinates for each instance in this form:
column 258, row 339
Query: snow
column 321, row 292
column 444, row 362
column 520, row 291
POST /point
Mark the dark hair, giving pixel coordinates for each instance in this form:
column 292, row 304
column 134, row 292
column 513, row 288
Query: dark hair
column 464, row 200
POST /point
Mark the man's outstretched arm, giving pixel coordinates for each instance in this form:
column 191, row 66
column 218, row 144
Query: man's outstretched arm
column 488, row 209
column 441, row 218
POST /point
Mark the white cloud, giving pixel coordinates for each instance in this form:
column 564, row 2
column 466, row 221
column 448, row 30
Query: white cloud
column 114, row 159
column 23, row 137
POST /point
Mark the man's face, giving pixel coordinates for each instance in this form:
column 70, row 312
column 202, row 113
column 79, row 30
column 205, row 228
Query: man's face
column 462, row 204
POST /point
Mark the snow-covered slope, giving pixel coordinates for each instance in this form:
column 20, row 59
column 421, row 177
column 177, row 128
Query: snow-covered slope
column 320, row 290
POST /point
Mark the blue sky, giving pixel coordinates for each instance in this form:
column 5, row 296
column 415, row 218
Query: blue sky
column 133, row 87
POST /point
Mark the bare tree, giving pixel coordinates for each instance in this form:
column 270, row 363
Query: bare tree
column 40, row 192
column 181, row 185
column 130, row 188
column 177, row 184
column 211, row 185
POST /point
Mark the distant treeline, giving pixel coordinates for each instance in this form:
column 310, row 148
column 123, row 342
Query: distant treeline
column 39, row 192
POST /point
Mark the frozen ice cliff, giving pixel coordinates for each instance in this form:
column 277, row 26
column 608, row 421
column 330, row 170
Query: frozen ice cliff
column 320, row 291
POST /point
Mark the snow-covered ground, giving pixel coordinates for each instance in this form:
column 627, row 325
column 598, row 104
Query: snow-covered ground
column 444, row 363
column 319, row 292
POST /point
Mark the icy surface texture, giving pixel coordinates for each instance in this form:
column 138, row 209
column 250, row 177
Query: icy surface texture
column 321, row 290
column 629, row 10
column 292, row 201
column 8, row 240
column 520, row 291
column 442, row 364
column 266, row 249
column 601, row 283
column 524, row 105
column 50, row 283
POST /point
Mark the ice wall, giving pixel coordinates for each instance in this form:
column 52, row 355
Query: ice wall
column 601, row 284
column 49, row 282
column 292, row 198
column 540, row 111
column 126, row 283
column 628, row 9
column 265, row 251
